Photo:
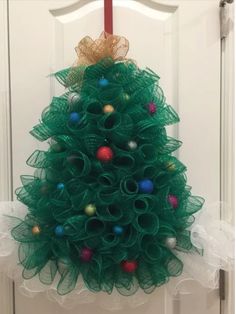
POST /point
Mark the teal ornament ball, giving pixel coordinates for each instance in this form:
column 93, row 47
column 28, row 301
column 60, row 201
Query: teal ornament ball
column 145, row 186
column 59, row 231
column 103, row 82
column 60, row 186
column 118, row 230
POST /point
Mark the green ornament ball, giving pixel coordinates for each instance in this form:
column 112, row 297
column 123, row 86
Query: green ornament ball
column 90, row 210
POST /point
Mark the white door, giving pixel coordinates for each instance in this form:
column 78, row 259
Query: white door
column 180, row 40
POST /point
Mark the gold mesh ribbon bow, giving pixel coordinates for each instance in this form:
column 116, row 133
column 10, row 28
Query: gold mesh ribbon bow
column 90, row 51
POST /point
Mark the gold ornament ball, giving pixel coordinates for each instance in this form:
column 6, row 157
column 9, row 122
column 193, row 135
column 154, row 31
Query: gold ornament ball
column 90, row 210
column 170, row 166
column 108, row 109
column 36, row 230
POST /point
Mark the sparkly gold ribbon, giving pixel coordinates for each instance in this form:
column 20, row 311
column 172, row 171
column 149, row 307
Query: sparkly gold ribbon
column 90, row 51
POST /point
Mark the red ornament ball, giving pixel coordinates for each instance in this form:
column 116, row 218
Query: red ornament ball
column 86, row 254
column 104, row 154
column 129, row 266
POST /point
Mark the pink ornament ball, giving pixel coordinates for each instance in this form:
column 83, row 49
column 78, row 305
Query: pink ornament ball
column 152, row 108
column 86, row 254
column 172, row 199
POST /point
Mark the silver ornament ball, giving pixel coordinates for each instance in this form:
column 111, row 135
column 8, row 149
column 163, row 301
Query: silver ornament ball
column 73, row 98
column 170, row 242
column 132, row 145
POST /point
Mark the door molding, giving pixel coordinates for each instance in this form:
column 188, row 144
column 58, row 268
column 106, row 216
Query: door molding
column 6, row 285
column 227, row 144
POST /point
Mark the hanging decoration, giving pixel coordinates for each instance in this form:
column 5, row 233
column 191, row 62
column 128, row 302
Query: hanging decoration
column 110, row 207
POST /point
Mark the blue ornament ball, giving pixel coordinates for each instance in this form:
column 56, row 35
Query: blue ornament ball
column 60, row 186
column 74, row 117
column 145, row 186
column 118, row 230
column 59, row 231
column 103, row 82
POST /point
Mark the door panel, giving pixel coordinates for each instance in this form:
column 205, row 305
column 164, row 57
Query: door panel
column 177, row 39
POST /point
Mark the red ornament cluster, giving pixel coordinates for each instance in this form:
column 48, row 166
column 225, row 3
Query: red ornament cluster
column 104, row 154
column 129, row 266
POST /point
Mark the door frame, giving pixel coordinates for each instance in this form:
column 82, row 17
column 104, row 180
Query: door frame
column 7, row 299
column 227, row 147
column 226, row 137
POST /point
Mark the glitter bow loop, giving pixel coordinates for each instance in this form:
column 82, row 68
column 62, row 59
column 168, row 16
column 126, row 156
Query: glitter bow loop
column 90, row 51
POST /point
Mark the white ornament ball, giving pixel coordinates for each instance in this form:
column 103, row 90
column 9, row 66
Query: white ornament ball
column 171, row 242
column 132, row 145
column 73, row 98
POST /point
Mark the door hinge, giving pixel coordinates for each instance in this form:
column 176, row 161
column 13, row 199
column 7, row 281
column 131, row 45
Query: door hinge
column 224, row 18
column 222, row 284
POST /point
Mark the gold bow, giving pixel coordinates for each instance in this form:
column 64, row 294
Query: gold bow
column 90, row 51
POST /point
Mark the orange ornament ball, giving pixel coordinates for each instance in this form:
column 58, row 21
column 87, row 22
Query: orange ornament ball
column 36, row 230
column 108, row 109
column 104, row 154
column 129, row 266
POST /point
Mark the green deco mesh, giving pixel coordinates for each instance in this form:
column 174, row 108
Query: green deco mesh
column 147, row 219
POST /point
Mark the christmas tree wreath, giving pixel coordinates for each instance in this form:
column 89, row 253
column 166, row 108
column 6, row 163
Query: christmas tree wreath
column 108, row 203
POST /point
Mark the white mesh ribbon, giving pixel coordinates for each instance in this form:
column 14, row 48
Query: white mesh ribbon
column 214, row 236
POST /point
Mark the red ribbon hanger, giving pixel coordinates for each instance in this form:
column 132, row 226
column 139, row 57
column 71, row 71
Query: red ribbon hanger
column 108, row 16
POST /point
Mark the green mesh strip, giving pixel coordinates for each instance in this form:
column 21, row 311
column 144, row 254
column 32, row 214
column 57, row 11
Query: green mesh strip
column 147, row 219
